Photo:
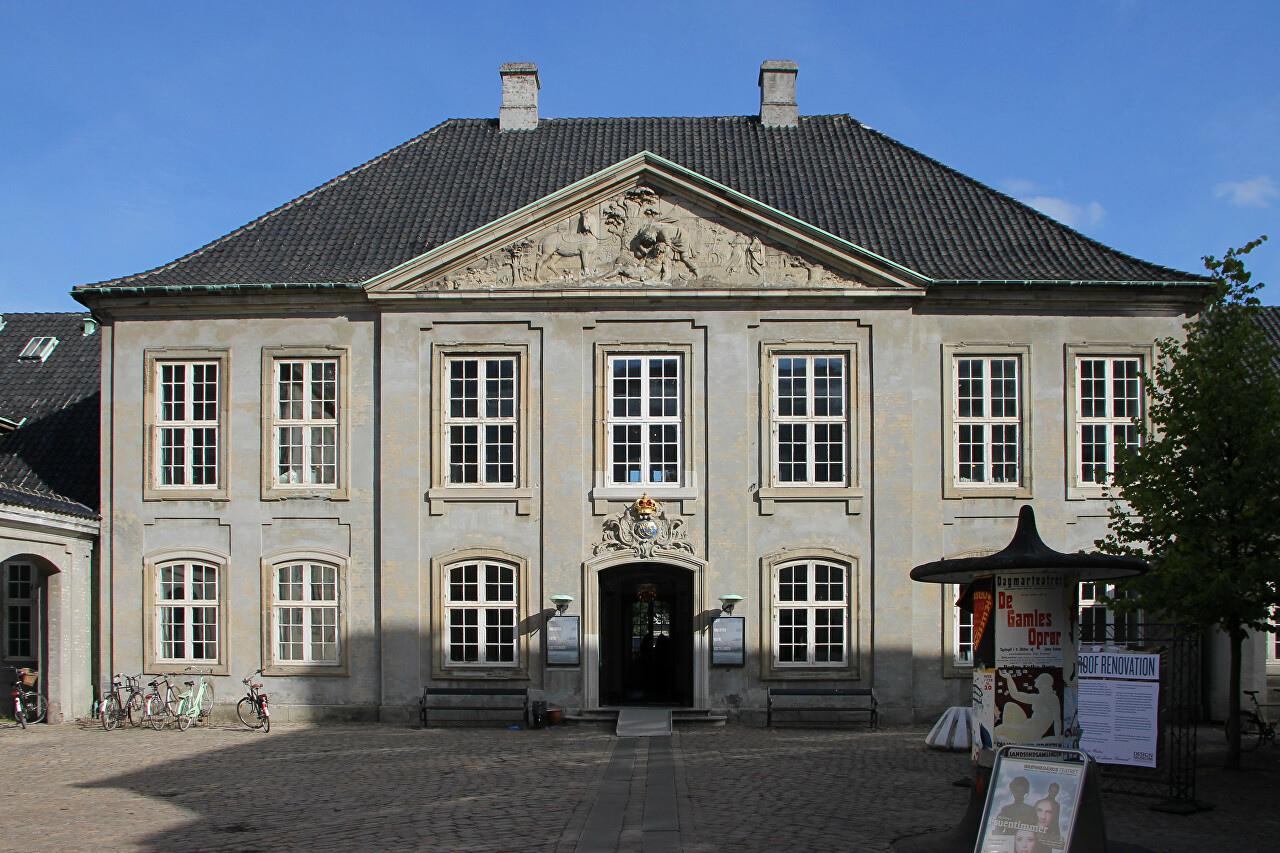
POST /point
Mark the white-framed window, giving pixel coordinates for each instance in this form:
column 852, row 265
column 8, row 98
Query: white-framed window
column 21, row 612
column 481, row 420
column 187, row 613
column 987, row 420
column 1273, row 644
column 810, row 614
column 810, row 420
column 187, row 424
column 306, row 407
column 1109, row 404
column 305, row 613
column 1101, row 626
column 644, row 420
column 961, row 631
column 481, row 611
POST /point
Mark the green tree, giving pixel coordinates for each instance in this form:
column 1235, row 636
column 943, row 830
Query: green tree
column 1200, row 498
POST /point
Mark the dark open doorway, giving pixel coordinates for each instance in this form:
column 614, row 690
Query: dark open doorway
column 646, row 636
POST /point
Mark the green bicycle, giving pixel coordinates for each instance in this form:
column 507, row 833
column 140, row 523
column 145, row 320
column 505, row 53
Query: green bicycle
column 196, row 702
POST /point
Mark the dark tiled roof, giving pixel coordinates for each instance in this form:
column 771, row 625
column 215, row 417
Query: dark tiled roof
column 830, row 171
column 1268, row 319
column 50, row 462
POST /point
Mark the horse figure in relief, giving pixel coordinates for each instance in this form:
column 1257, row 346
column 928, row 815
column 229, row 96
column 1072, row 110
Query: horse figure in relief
column 578, row 240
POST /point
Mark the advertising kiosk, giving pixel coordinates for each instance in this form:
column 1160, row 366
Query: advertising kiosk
column 1025, row 698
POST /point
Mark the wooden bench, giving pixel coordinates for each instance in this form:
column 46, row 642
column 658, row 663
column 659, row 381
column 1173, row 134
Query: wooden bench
column 862, row 700
column 453, row 699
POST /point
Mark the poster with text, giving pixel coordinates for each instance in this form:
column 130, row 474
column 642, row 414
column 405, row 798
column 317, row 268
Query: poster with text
column 1120, row 707
column 1031, row 806
column 1030, row 631
column 1030, row 620
column 983, row 719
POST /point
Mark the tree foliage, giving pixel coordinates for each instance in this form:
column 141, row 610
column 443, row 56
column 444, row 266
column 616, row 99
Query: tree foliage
column 1200, row 498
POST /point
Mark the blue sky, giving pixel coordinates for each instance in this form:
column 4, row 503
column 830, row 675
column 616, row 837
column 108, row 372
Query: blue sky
column 134, row 132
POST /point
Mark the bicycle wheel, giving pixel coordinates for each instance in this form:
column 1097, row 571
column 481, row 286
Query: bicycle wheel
column 134, row 709
column 172, row 700
column 1250, row 731
column 37, row 707
column 155, row 712
column 184, row 722
column 111, row 712
column 247, row 713
column 264, row 714
column 19, row 713
column 206, row 702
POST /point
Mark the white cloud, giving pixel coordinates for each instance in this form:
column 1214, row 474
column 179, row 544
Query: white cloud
column 1067, row 213
column 1255, row 192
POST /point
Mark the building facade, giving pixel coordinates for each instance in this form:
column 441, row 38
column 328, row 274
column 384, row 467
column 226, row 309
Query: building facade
column 645, row 363
column 49, row 378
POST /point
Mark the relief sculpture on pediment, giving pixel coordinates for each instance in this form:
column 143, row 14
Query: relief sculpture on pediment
column 639, row 237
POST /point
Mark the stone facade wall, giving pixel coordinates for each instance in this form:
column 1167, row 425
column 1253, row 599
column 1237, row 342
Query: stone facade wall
column 398, row 526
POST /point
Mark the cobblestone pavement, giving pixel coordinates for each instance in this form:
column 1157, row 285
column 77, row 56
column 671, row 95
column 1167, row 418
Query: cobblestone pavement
column 370, row 787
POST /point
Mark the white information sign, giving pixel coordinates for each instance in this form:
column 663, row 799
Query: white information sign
column 1119, row 707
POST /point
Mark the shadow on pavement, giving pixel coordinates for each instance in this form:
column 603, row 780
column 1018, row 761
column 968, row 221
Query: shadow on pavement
column 370, row 787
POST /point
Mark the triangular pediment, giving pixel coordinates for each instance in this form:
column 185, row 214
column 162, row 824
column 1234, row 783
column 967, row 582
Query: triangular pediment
column 644, row 223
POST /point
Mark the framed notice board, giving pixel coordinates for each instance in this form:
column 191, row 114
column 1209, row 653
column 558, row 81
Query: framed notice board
column 562, row 641
column 728, row 634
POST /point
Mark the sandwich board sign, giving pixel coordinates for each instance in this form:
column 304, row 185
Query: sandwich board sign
column 1042, row 800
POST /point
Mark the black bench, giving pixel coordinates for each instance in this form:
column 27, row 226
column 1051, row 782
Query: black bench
column 863, row 701
column 438, row 699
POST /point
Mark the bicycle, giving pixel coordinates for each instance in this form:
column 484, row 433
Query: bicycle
column 252, row 709
column 196, row 702
column 1255, row 728
column 160, row 704
column 115, row 705
column 29, row 705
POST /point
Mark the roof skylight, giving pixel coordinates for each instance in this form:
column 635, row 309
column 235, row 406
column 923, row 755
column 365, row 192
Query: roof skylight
column 38, row 349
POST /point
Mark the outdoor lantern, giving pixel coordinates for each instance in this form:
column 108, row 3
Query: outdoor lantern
column 728, row 601
column 561, row 602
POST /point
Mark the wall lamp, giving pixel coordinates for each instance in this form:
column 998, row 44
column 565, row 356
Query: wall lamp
column 728, row 602
column 561, row 602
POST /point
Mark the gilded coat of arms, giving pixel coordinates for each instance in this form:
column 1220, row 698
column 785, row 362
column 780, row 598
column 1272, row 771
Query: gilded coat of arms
column 643, row 528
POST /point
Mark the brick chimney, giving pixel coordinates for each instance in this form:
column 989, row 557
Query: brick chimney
column 519, row 96
column 778, row 93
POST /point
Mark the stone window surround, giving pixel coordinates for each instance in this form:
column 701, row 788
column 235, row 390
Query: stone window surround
column 441, row 667
column 152, row 358
column 1077, row 491
column 271, row 491
column 151, row 663
column 686, row 493
column 851, row 669
column 289, row 556
column 950, row 488
column 441, row 493
column 852, row 493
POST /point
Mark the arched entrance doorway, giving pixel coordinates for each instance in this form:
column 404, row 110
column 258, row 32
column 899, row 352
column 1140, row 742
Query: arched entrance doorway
column 646, row 635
